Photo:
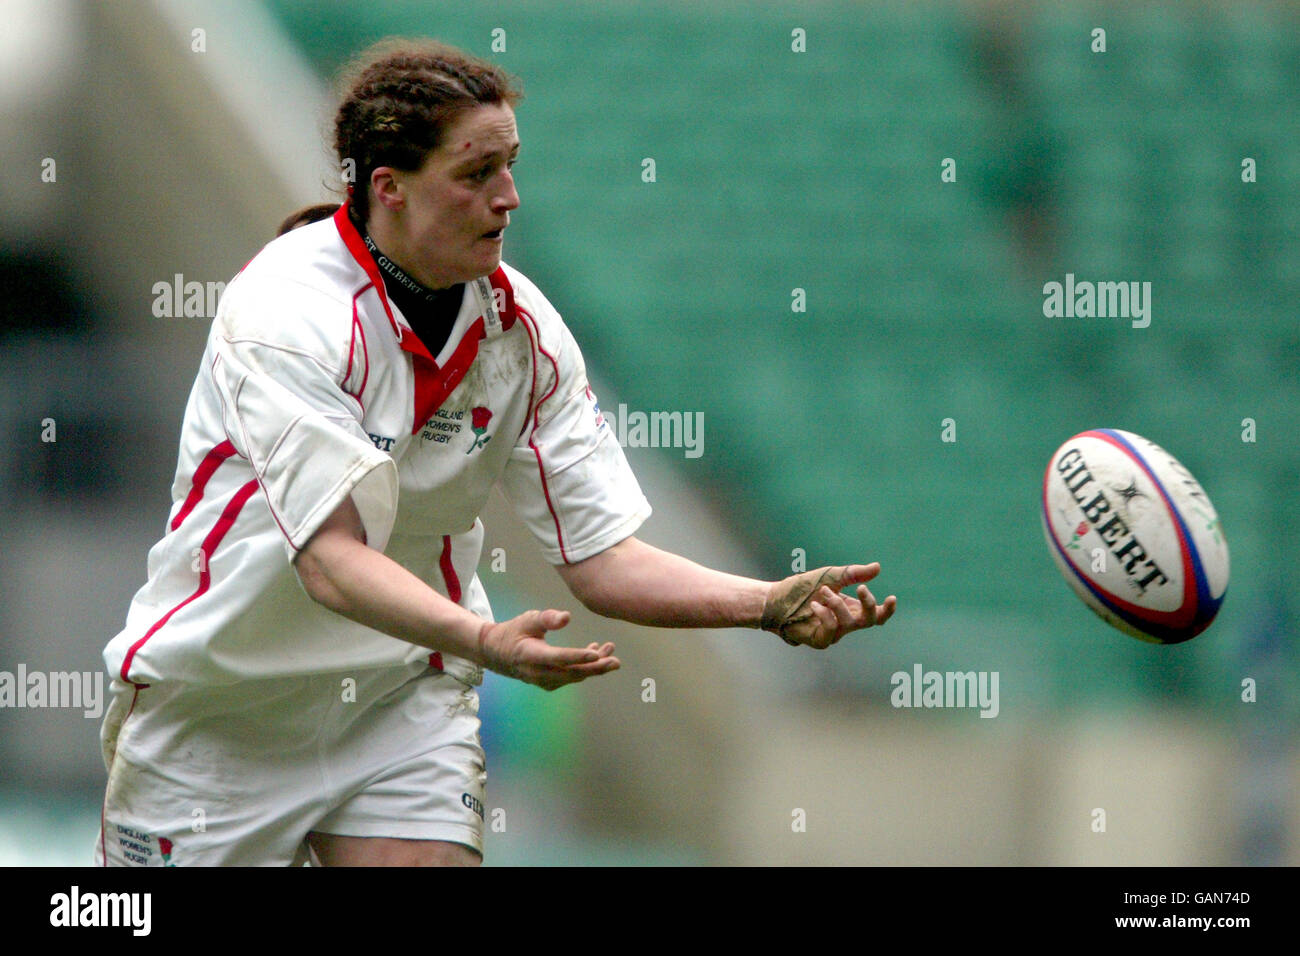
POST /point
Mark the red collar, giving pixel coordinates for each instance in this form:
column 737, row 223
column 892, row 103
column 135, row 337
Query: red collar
column 432, row 384
column 357, row 246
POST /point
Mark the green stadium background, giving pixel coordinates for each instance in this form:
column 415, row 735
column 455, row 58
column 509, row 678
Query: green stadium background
column 778, row 170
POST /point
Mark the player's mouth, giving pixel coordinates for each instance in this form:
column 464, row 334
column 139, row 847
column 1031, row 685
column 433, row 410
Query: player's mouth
column 495, row 235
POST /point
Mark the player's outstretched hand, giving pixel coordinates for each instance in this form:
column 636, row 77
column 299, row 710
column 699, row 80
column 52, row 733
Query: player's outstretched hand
column 808, row 609
column 517, row 648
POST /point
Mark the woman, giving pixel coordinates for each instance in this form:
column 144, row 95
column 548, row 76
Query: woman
column 299, row 671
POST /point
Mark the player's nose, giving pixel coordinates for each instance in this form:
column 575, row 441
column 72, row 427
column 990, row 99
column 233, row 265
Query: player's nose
column 508, row 197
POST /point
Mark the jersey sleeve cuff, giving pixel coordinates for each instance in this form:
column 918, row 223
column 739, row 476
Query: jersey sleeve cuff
column 589, row 547
column 372, row 483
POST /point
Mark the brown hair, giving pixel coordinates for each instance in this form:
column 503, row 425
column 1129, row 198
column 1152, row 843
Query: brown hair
column 306, row 216
column 401, row 95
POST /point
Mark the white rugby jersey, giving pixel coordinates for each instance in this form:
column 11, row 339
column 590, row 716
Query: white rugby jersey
column 313, row 388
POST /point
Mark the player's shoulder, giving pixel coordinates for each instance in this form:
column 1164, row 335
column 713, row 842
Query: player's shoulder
column 549, row 333
column 296, row 292
column 528, row 298
column 532, row 307
column 310, row 261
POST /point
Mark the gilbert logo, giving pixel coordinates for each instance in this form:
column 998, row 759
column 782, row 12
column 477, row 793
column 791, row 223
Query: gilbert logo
column 473, row 803
column 479, row 425
column 102, row 909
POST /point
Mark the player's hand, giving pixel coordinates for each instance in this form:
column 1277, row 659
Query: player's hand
column 517, row 648
column 808, row 609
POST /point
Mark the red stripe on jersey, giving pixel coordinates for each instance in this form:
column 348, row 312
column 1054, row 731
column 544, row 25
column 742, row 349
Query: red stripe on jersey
column 432, row 384
column 449, row 571
column 211, row 461
column 498, row 280
column 535, row 337
column 357, row 246
column 358, row 331
column 432, row 391
column 452, row 580
column 208, row 548
column 365, row 356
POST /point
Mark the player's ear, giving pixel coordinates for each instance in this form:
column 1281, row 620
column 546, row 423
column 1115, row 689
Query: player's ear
column 386, row 187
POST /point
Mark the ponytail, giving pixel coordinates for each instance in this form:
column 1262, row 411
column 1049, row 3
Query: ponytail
column 306, row 216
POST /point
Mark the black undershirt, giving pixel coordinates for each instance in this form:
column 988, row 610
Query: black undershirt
column 430, row 312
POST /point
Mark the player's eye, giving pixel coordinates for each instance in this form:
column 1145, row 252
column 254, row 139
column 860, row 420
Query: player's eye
column 484, row 173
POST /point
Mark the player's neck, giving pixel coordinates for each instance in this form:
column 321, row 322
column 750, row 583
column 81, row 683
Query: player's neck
column 388, row 244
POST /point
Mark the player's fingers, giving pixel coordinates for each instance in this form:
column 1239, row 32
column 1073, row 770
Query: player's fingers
column 602, row 666
column 548, row 655
column 824, row 615
column 551, row 678
column 536, row 623
column 886, row 610
column 854, row 574
column 553, row 620
column 869, row 613
column 837, row 605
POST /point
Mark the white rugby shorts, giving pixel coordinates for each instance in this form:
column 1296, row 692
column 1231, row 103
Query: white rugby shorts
column 239, row 775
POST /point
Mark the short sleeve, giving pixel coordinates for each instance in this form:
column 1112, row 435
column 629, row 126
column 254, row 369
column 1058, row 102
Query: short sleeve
column 567, row 477
column 285, row 410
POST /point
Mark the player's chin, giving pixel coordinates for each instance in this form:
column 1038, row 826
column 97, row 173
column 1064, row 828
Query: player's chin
column 482, row 268
column 489, row 253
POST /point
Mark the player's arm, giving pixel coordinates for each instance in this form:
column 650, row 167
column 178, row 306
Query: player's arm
column 634, row 581
column 341, row 572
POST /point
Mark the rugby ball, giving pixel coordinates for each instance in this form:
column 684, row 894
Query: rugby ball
column 1135, row 535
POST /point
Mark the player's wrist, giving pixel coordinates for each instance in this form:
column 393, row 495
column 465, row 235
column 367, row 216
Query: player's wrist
column 756, row 602
column 483, row 655
column 785, row 610
column 490, row 656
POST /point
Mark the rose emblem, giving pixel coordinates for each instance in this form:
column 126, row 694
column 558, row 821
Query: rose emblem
column 479, row 418
column 1079, row 531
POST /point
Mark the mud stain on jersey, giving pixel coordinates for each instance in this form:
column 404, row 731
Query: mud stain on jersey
column 470, row 388
column 508, row 367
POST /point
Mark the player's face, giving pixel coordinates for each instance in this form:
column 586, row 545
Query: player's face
column 455, row 208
